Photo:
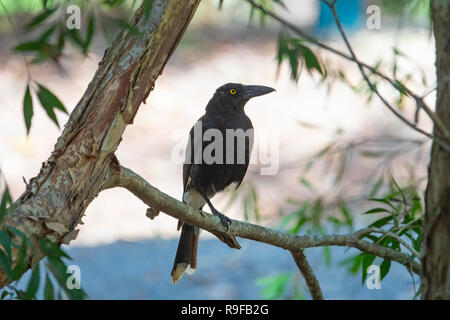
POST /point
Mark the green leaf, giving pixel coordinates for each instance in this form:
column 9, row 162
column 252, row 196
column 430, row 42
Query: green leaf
column 33, row 284
column 384, row 268
column 381, row 222
column 346, row 214
column 58, row 269
column 334, row 220
column 112, row 3
column 293, row 63
column 49, row 101
column 4, row 294
column 75, row 36
column 49, row 291
column 311, row 60
column 21, row 265
column 21, row 235
column 366, row 262
column 385, row 200
column 376, row 187
column 148, row 8
column 395, row 245
column 376, row 210
column 417, row 206
column 30, row 46
column 45, row 4
column 5, row 202
column 27, row 108
column 280, row 3
column 307, row 184
column 40, row 18
column 327, row 256
column 418, row 243
column 324, row 150
column 372, row 237
column 51, row 249
column 282, row 48
column 5, row 241
column 90, row 32
column 354, row 263
column 61, row 41
column 372, row 154
column 5, row 264
column 47, row 33
column 273, row 286
column 301, row 218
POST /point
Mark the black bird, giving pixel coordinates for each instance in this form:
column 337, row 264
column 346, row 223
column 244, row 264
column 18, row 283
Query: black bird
column 206, row 171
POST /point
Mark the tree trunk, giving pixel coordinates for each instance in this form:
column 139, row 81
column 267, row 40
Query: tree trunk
column 55, row 200
column 436, row 260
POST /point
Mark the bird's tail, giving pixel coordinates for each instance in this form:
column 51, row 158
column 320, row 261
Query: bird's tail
column 186, row 257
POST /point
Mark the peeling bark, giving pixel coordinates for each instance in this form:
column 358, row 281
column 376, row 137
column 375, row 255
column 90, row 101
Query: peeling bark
column 55, row 200
column 436, row 259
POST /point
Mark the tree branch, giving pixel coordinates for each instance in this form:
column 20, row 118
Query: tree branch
column 308, row 274
column 158, row 200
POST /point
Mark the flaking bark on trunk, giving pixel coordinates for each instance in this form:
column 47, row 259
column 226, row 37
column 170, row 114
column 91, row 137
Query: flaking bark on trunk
column 55, row 200
column 436, row 260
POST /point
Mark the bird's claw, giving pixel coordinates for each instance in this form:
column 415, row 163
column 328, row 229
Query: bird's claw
column 226, row 222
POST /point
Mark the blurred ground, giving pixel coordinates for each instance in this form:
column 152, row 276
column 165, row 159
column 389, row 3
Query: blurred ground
column 141, row 270
column 207, row 58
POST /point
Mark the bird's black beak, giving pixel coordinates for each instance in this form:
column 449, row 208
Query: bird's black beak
column 254, row 91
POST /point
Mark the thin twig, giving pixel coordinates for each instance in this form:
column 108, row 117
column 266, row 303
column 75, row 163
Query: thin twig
column 373, row 87
column 419, row 100
column 394, row 236
column 308, row 274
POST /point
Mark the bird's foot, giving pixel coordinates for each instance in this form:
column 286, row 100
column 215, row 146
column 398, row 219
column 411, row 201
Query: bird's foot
column 201, row 213
column 223, row 219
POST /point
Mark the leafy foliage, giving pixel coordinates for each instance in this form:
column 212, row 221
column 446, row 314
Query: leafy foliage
column 280, row 286
column 48, row 101
column 47, row 38
column 41, row 278
column 403, row 216
column 298, row 55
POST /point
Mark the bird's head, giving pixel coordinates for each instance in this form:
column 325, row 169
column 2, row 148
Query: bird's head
column 235, row 96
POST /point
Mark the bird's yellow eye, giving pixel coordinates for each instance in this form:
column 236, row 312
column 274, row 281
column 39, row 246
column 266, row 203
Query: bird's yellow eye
column 233, row 91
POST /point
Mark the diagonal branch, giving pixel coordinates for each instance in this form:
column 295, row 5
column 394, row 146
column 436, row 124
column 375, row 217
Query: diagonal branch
column 308, row 274
column 154, row 198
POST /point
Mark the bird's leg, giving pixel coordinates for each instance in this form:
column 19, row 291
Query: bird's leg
column 223, row 218
column 226, row 237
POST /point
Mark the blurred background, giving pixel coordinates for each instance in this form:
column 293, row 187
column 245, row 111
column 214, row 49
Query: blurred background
column 337, row 145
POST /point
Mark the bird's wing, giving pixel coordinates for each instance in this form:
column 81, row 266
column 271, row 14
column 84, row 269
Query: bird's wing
column 240, row 178
column 242, row 169
column 195, row 147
